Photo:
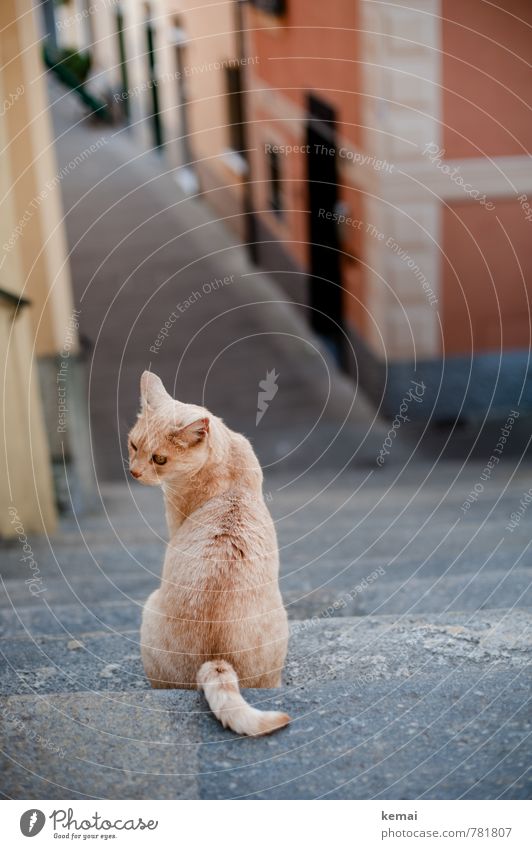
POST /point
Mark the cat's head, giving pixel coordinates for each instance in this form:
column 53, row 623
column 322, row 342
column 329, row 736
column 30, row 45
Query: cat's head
column 169, row 439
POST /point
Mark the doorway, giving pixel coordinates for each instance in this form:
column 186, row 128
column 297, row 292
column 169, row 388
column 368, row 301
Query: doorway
column 155, row 117
column 325, row 290
column 121, row 43
column 180, row 40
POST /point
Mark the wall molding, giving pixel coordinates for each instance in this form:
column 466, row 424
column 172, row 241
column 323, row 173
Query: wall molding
column 502, row 176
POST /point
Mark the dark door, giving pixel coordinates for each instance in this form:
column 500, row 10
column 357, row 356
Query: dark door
column 186, row 153
column 325, row 291
column 119, row 18
column 155, row 116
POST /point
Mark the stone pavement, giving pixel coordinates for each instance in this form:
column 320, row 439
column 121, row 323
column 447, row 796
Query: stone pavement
column 408, row 674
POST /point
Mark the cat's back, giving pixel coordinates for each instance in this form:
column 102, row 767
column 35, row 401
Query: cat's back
column 234, row 525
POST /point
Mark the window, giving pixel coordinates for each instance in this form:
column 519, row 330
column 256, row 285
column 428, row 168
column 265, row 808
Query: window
column 274, row 174
column 234, row 109
column 271, row 7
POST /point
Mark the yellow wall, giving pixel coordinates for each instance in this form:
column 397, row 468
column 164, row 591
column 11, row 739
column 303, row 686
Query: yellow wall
column 25, row 473
column 33, row 264
column 34, row 189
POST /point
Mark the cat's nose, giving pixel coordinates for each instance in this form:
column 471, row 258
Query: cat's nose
column 135, row 474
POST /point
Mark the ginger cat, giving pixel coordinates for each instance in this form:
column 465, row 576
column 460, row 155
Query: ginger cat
column 218, row 618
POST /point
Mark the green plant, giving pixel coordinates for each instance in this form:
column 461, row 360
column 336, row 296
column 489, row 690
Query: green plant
column 78, row 63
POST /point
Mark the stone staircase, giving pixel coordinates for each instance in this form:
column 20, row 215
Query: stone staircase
column 408, row 669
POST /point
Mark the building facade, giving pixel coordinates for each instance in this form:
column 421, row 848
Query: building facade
column 374, row 156
column 390, row 180
column 45, row 460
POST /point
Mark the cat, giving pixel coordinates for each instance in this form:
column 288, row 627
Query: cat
column 217, row 619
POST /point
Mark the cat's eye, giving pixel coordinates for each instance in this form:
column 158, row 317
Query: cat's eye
column 159, row 459
column 133, row 446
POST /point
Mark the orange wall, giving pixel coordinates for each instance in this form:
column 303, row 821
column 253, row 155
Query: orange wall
column 486, row 112
column 495, row 273
column 325, row 34
column 486, row 80
column 487, row 118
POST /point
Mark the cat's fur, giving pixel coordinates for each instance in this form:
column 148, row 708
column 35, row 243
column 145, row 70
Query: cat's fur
column 218, row 618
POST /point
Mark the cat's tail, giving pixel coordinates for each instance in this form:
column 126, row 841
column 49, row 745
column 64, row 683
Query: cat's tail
column 219, row 682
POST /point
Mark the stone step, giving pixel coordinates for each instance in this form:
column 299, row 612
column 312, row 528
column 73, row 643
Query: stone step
column 325, row 522
column 66, row 620
column 352, row 593
column 66, row 561
column 464, row 591
column 303, row 556
column 84, row 589
column 454, row 476
column 339, row 562
column 434, row 734
column 135, row 514
column 309, row 581
column 350, row 649
column 325, row 525
column 322, row 509
column 337, row 573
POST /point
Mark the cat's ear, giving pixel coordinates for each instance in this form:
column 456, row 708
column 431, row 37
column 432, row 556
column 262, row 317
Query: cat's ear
column 152, row 391
column 190, row 435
